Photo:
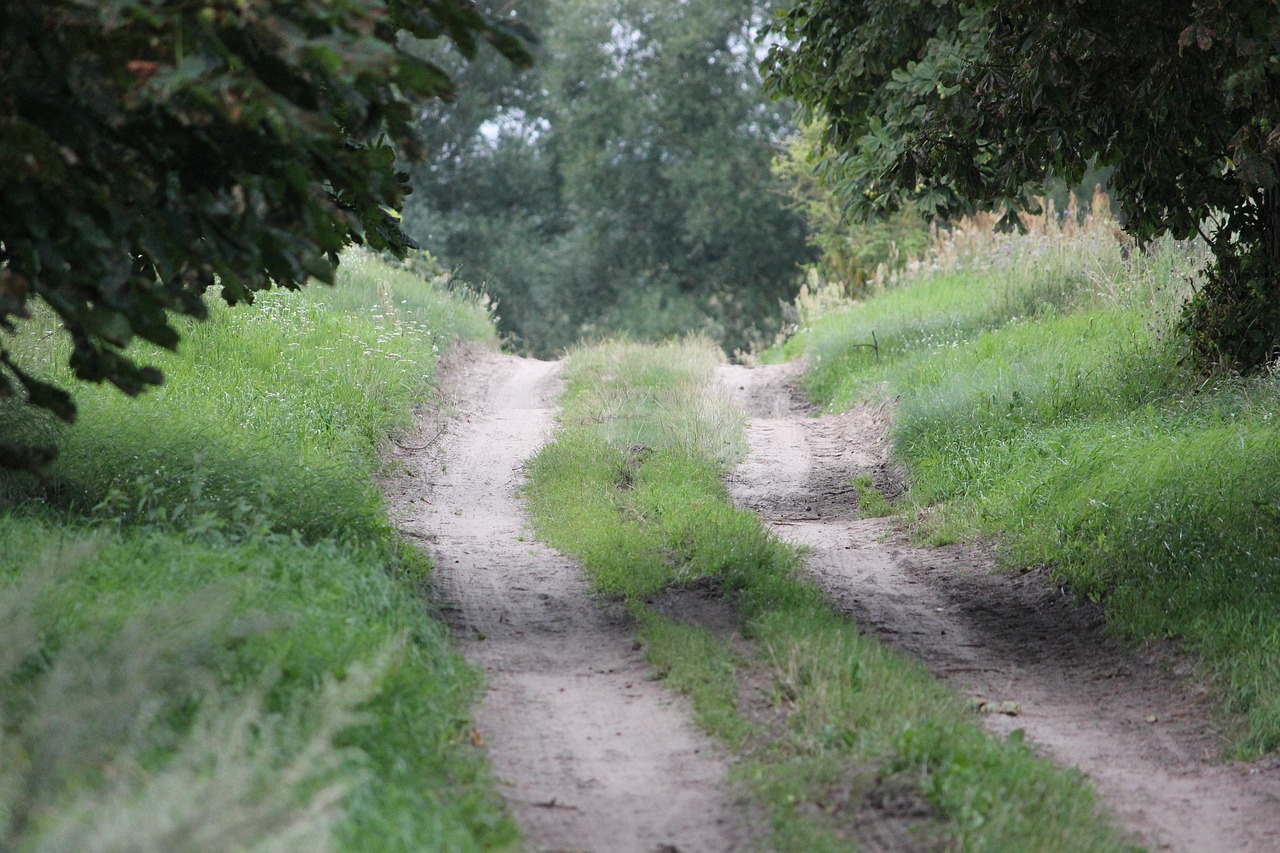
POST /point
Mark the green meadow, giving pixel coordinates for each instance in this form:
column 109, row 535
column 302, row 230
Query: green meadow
column 208, row 628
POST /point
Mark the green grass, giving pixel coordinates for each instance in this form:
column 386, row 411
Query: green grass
column 632, row 484
column 635, row 444
column 1074, row 433
column 212, row 637
column 871, row 503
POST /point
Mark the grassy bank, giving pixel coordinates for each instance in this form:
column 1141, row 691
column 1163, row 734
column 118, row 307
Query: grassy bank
column 632, row 484
column 210, row 637
column 1042, row 399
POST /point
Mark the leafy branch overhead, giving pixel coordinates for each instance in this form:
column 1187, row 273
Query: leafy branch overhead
column 952, row 107
column 150, row 148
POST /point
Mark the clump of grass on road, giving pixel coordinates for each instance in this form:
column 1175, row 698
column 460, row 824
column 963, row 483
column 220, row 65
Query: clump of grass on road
column 210, row 637
column 632, row 485
column 1069, row 427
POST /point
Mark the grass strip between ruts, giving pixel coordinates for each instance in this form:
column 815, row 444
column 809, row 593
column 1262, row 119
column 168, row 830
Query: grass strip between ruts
column 632, row 485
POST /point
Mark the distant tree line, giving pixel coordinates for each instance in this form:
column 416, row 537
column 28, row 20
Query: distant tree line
column 623, row 182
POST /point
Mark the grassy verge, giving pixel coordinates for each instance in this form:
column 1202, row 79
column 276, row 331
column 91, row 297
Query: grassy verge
column 632, row 484
column 210, row 636
column 1042, row 400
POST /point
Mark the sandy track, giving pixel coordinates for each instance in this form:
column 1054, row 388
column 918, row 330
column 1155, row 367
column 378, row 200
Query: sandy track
column 593, row 754
column 1133, row 722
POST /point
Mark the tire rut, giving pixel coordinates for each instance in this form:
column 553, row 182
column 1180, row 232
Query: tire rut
column 1135, row 722
column 591, row 752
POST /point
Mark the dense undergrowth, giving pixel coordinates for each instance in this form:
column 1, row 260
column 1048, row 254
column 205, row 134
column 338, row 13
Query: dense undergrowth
column 1043, row 398
column 210, row 637
column 632, row 484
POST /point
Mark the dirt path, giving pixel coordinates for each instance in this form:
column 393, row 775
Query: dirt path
column 593, row 754
column 1136, row 725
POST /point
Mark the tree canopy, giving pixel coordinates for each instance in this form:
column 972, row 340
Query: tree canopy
column 621, row 184
column 150, row 148
column 949, row 107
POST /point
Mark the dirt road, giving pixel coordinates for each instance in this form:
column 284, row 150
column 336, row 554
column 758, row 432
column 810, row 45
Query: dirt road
column 593, row 754
column 1133, row 722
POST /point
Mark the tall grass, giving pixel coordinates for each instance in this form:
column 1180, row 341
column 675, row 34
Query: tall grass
column 974, row 280
column 212, row 639
column 1055, row 412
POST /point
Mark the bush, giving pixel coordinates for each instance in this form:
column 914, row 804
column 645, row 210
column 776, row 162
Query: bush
column 1233, row 321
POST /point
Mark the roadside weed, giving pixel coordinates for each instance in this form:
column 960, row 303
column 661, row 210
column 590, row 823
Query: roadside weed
column 871, row 504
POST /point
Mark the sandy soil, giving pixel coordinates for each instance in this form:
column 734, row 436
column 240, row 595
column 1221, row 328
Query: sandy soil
column 1134, row 721
column 593, row 754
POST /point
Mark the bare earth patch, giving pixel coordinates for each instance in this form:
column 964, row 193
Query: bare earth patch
column 593, row 754
column 1135, row 722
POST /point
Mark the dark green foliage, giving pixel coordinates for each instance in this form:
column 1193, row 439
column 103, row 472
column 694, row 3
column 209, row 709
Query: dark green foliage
column 151, row 149
column 952, row 108
column 1234, row 320
column 623, row 184
column 851, row 251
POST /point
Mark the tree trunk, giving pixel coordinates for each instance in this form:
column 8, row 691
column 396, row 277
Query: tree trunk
column 1271, row 287
column 1270, row 216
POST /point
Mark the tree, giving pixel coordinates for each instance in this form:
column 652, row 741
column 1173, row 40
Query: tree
column 628, row 185
column 152, row 148
column 851, row 252
column 950, row 107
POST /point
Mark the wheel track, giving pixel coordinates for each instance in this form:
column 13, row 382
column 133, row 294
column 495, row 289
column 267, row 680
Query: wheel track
column 592, row 753
column 1141, row 731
